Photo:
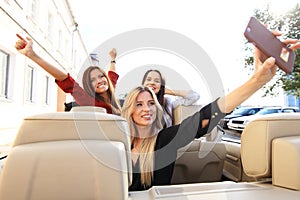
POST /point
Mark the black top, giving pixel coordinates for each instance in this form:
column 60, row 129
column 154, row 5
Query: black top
column 170, row 139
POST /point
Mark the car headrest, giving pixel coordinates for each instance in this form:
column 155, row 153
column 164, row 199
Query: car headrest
column 73, row 126
column 88, row 109
column 60, row 126
column 181, row 112
column 256, row 141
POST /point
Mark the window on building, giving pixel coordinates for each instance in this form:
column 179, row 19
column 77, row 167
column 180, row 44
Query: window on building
column 47, row 89
column 60, row 40
column 51, row 27
column 34, row 10
column 29, row 83
column 66, row 52
column 4, row 70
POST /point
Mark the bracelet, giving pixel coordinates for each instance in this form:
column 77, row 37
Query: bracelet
column 113, row 61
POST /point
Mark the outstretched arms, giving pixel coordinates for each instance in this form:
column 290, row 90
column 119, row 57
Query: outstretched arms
column 25, row 47
column 264, row 71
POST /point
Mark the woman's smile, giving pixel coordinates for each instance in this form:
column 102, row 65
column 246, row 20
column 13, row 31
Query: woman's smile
column 144, row 113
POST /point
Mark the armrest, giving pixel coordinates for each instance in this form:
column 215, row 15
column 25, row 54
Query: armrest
column 286, row 162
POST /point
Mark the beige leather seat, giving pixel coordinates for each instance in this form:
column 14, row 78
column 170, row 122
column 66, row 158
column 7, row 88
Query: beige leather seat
column 202, row 160
column 69, row 155
column 88, row 109
column 270, row 147
column 233, row 169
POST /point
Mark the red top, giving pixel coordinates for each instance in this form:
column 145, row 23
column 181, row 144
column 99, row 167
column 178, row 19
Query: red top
column 69, row 85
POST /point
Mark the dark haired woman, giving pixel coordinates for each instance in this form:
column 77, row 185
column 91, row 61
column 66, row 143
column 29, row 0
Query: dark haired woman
column 98, row 87
column 155, row 80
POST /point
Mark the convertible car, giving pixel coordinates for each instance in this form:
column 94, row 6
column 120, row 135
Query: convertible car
column 85, row 154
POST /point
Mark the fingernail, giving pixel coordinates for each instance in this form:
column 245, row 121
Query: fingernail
column 271, row 60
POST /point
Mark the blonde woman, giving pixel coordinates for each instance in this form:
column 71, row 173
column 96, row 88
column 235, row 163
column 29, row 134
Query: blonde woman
column 154, row 150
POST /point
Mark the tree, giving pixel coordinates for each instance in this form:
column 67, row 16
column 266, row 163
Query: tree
column 289, row 25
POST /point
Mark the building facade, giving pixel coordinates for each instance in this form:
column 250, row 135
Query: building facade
column 25, row 88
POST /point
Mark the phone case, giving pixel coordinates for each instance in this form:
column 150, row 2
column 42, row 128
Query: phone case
column 270, row 45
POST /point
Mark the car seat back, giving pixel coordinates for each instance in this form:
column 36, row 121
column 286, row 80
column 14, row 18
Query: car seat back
column 200, row 161
column 257, row 138
column 69, row 155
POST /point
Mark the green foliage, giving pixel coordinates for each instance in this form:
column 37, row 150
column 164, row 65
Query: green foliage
column 289, row 25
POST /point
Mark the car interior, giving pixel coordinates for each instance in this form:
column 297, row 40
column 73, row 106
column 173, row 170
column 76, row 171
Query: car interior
column 85, row 154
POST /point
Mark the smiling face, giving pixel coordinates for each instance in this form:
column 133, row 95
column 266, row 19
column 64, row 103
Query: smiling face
column 98, row 81
column 144, row 113
column 153, row 81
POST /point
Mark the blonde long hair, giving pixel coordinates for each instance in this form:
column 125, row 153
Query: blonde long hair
column 147, row 146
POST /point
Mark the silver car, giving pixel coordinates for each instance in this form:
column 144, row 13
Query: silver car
column 240, row 123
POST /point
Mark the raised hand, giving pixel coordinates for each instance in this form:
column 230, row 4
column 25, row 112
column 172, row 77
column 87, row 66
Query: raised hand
column 24, row 46
column 113, row 54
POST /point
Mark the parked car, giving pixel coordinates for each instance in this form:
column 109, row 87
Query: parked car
column 239, row 123
column 239, row 112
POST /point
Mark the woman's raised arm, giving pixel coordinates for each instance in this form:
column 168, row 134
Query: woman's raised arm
column 264, row 71
column 25, row 47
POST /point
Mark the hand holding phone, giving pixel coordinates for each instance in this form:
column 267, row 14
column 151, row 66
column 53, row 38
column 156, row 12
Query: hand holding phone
column 270, row 45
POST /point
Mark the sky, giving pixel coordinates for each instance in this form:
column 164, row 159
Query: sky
column 216, row 26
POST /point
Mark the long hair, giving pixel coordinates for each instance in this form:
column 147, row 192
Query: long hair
column 161, row 93
column 147, row 146
column 86, row 82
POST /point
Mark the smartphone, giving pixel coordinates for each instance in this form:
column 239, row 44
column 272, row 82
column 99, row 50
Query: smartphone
column 270, row 45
